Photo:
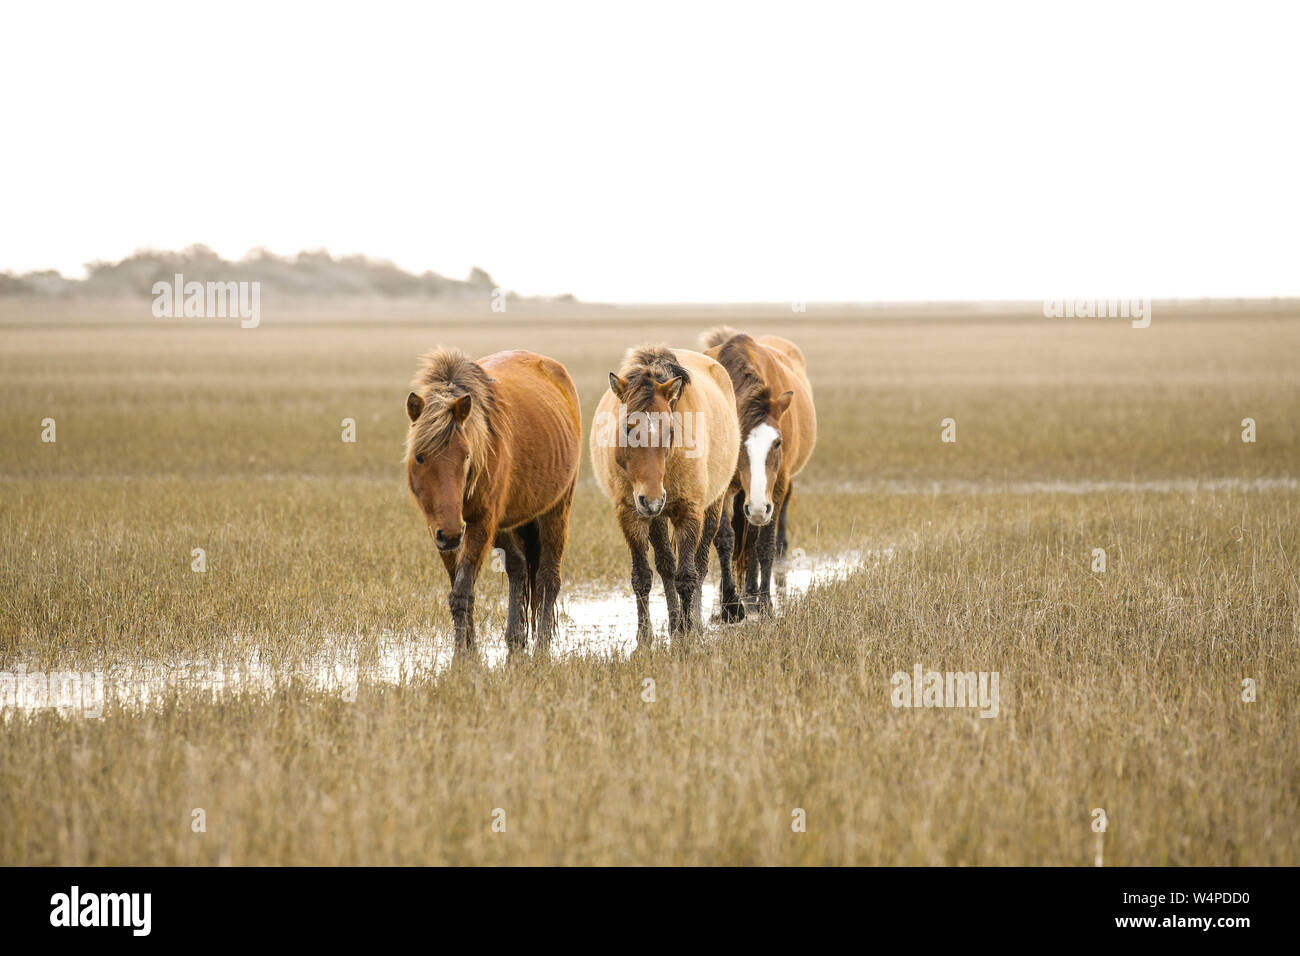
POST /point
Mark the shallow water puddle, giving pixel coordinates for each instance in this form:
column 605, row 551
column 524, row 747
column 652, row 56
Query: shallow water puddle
column 604, row 623
column 590, row 622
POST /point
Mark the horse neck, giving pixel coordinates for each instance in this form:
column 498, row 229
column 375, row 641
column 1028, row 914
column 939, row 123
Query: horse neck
column 497, row 444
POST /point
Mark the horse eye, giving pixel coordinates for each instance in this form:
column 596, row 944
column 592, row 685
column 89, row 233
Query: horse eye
column 419, row 459
column 777, row 443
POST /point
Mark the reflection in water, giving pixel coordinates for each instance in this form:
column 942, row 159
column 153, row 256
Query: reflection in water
column 591, row 622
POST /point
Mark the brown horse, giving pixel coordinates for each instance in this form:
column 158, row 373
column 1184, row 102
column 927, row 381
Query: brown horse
column 492, row 459
column 778, row 426
column 664, row 448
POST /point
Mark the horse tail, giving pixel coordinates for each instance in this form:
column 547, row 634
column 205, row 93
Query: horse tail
column 530, row 600
column 716, row 336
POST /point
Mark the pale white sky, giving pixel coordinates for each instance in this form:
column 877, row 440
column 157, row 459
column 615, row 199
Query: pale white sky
column 671, row 151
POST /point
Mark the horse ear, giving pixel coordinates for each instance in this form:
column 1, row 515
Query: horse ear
column 671, row 390
column 414, row 405
column 616, row 384
column 460, row 408
column 781, row 404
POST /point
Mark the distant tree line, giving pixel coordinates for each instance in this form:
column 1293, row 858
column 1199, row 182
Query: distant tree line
column 313, row 273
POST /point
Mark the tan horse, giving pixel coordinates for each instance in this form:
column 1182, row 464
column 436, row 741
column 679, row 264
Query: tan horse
column 778, row 426
column 492, row 457
column 663, row 448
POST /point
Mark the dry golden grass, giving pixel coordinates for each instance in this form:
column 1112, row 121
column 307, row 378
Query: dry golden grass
column 1118, row 690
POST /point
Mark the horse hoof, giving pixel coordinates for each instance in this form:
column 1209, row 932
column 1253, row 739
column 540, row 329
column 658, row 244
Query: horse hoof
column 733, row 613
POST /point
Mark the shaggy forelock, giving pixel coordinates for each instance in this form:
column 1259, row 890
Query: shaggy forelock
column 643, row 369
column 446, row 374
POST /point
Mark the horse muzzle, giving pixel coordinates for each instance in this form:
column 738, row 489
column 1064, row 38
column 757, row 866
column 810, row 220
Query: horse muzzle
column 445, row 542
column 759, row 516
column 647, row 508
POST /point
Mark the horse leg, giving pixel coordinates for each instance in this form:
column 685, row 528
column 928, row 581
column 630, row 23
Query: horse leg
column 448, row 559
column 781, row 544
column 707, row 535
column 749, row 560
column 767, row 551
column 666, row 565
column 553, row 534
column 686, row 538
column 733, row 608
column 517, row 572
column 636, row 533
column 739, row 530
column 469, row 559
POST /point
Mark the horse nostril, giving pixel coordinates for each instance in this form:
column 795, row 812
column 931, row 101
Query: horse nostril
column 441, row 538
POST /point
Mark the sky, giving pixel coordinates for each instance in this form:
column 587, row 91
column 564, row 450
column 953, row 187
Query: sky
column 700, row 152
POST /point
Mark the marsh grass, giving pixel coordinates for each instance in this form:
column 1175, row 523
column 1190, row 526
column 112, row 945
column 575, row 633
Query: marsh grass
column 1119, row 690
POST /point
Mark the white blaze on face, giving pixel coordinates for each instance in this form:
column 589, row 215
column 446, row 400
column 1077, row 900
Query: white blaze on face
column 757, row 444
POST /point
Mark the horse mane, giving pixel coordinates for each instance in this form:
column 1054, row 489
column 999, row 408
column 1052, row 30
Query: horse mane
column 716, row 336
column 736, row 355
column 645, row 367
column 445, row 374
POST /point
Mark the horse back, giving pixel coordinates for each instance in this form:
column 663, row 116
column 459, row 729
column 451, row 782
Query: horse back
column 542, row 426
column 791, row 352
column 785, row 370
column 712, row 398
